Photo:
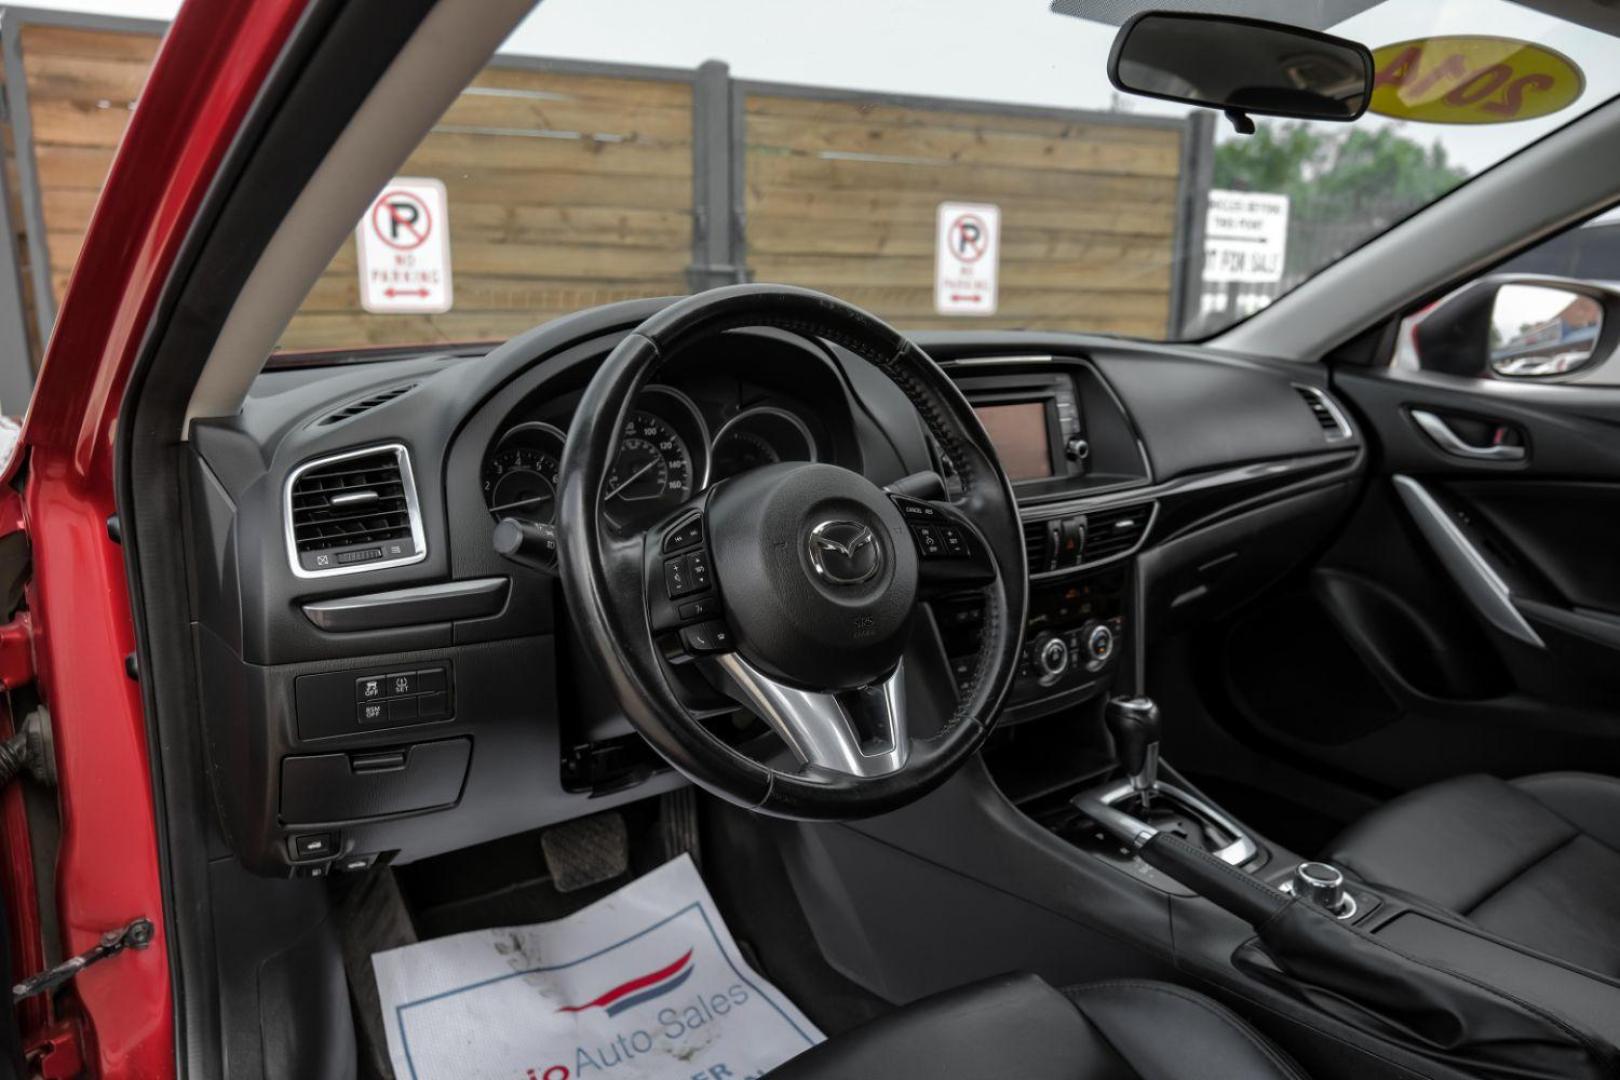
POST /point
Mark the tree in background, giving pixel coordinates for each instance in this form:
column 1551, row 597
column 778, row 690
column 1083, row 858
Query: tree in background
column 1343, row 186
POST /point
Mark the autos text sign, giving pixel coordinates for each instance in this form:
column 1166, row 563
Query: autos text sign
column 967, row 249
column 404, row 246
column 1245, row 237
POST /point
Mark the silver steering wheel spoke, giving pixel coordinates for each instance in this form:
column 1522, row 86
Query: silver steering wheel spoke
column 856, row 732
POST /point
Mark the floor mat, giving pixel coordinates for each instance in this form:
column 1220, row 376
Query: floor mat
column 645, row 984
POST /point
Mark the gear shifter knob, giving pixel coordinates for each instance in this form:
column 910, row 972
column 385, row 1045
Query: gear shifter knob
column 1133, row 722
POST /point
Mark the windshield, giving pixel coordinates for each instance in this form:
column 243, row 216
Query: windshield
column 949, row 164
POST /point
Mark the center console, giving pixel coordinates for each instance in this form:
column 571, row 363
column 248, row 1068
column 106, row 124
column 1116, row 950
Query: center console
column 1073, row 458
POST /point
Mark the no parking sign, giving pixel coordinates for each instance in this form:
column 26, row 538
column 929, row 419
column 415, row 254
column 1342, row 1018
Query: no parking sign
column 404, row 246
column 966, row 252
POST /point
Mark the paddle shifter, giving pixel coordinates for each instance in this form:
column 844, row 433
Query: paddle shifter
column 1134, row 724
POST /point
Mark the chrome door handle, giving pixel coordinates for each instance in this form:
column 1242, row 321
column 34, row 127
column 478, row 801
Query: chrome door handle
column 1440, row 432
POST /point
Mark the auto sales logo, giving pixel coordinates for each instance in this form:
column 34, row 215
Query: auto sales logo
column 637, row 991
column 673, row 1023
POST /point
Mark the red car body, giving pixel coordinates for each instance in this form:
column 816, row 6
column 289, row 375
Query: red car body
column 211, row 67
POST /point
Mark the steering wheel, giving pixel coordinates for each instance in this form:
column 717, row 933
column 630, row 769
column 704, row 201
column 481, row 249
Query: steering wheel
column 792, row 587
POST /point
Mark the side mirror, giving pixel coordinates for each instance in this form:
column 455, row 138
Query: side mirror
column 1519, row 327
column 1242, row 66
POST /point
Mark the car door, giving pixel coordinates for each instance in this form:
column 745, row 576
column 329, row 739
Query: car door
column 1468, row 616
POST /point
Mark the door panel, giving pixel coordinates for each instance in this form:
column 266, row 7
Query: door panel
column 1469, row 616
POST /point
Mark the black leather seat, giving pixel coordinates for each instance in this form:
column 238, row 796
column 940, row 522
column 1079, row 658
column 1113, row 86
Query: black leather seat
column 1018, row 1026
column 1535, row 861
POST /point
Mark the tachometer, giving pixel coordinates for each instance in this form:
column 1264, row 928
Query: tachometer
column 520, row 477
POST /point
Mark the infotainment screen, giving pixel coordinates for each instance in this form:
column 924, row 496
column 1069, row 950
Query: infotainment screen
column 1020, row 437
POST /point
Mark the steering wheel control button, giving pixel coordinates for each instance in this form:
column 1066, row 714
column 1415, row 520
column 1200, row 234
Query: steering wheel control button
column 704, row 608
column 371, row 688
column 697, row 570
column 916, row 510
column 928, row 541
column 709, row 637
column 684, row 535
column 314, row 846
column 677, row 578
column 955, row 543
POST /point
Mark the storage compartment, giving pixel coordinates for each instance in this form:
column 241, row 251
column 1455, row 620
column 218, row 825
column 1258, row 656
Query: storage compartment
column 319, row 789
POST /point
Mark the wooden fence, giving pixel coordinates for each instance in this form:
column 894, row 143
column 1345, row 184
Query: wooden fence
column 571, row 185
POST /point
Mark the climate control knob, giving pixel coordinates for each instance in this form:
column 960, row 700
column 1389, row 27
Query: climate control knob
column 1100, row 644
column 1051, row 657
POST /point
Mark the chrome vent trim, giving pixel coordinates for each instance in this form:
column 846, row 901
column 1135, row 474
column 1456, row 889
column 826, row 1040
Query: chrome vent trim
column 1329, row 417
column 359, row 500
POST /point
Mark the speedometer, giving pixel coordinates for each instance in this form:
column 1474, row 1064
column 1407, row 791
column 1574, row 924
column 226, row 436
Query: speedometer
column 652, row 473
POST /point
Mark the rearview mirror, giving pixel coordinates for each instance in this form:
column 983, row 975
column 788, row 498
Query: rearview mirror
column 1242, row 66
column 1518, row 327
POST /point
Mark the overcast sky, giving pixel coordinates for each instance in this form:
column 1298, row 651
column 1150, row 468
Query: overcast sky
column 992, row 50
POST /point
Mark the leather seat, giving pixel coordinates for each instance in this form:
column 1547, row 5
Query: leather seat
column 1535, row 861
column 1018, row 1026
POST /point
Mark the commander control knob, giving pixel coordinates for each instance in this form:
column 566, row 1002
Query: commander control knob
column 1052, row 657
column 1322, row 886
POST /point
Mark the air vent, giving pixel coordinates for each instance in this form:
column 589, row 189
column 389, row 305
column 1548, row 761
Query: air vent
column 352, row 512
column 355, row 408
column 1037, row 551
column 1326, row 411
column 1115, row 531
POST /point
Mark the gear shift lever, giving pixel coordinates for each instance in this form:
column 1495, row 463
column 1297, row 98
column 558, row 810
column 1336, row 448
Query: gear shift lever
column 1134, row 724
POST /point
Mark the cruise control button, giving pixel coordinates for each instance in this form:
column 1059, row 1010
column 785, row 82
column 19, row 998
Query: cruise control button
column 955, row 543
column 709, row 637
column 928, row 541
column 677, row 578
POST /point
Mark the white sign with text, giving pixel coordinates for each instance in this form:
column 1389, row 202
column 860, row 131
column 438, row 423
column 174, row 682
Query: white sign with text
column 967, row 250
column 1245, row 237
column 404, row 248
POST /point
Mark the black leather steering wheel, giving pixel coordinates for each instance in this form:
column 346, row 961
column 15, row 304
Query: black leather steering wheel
column 810, row 574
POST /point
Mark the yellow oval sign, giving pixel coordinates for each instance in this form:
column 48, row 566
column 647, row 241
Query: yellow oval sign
column 1472, row 80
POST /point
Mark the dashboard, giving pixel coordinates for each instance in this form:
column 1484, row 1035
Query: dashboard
column 379, row 683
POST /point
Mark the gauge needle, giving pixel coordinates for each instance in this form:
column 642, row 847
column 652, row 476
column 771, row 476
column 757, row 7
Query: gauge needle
column 519, row 502
column 632, row 478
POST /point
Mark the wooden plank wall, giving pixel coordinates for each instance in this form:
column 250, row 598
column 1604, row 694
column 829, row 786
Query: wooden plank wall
column 571, row 190
column 842, row 196
column 565, row 190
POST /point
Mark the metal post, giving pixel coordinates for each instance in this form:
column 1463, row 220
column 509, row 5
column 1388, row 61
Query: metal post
column 33, row 205
column 16, row 354
column 1192, row 211
column 716, row 186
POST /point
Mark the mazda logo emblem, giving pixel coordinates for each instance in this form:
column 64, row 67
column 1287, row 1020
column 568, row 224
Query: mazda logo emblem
column 845, row 552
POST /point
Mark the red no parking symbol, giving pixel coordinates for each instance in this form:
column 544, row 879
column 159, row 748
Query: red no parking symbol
column 969, row 238
column 401, row 220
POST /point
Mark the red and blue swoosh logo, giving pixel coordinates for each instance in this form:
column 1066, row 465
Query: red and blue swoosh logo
column 643, row 988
